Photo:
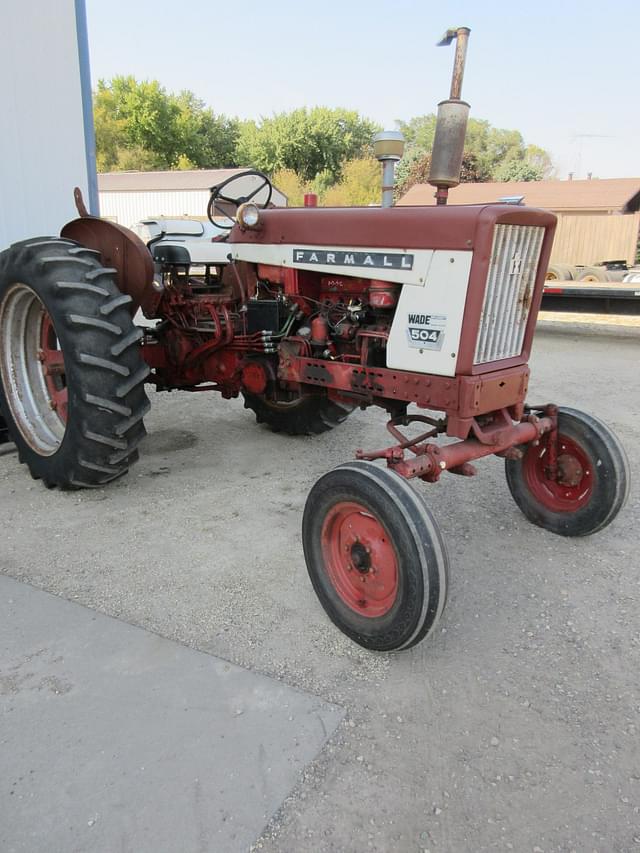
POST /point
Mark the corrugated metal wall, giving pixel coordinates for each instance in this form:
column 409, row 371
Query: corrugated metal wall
column 127, row 208
column 42, row 143
column 587, row 239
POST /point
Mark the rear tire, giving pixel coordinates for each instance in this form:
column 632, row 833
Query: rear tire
column 310, row 414
column 596, row 478
column 375, row 556
column 71, row 372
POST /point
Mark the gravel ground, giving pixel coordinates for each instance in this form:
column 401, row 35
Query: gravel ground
column 514, row 728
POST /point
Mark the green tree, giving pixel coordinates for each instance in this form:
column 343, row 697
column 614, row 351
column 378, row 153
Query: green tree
column 136, row 158
column 416, row 171
column 359, row 186
column 321, row 183
column 408, row 169
column 419, row 132
column 208, row 140
column 499, row 154
column 517, row 170
column 109, row 128
column 292, row 185
column 140, row 125
column 309, row 142
column 540, row 160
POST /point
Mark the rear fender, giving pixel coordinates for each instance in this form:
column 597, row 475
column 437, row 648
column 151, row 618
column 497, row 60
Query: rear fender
column 122, row 250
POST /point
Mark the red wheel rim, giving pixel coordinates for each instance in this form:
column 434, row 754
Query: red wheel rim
column 572, row 487
column 360, row 559
column 53, row 370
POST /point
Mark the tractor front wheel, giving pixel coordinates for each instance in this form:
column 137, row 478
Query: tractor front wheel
column 589, row 485
column 375, row 556
column 71, row 373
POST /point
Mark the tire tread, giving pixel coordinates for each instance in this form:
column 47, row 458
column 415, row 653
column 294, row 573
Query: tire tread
column 104, row 366
column 362, row 481
column 314, row 415
column 612, row 483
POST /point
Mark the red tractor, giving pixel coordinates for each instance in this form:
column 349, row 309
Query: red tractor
column 316, row 311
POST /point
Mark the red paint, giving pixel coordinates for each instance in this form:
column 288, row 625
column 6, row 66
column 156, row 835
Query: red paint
column 341, row 287
column 360, row 558
column 455, row 227
column 461, row 397
column 204, row 340
column 432, row 460
column 254, row 378
column 319, row 330
column 271, row 273
column 123, row 251
column 571, row 487
column 53, row 369
column 383, row 294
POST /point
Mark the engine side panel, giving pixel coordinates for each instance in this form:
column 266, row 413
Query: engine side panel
column 426, row 329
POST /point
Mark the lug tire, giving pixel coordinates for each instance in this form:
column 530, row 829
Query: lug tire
column 392, row 523
column 595, row 500
column 308, row 415
column 57, row 281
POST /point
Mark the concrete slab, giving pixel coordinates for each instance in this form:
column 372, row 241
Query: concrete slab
column 116, row 739
column 609, row 325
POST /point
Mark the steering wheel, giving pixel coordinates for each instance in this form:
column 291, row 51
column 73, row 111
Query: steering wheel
column 236, row 201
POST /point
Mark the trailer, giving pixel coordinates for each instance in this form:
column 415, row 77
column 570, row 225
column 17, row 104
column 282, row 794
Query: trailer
column 611, row 287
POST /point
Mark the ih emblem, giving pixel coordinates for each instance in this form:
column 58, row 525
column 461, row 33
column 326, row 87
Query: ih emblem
column 516, row 264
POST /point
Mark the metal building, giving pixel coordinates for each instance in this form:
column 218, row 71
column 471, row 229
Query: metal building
column 129, row 197
column 47, row 142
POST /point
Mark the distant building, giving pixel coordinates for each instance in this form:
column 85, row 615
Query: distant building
column 598, row 219
column 128, row 197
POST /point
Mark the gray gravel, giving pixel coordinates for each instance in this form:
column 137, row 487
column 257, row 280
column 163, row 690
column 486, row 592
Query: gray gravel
column 514, row 728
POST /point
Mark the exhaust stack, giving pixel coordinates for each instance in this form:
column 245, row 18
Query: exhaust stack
column 451, row 125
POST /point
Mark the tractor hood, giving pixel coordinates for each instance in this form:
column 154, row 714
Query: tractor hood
column 393, row 244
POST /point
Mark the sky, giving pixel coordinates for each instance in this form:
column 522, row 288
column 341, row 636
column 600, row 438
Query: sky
column 565, row 73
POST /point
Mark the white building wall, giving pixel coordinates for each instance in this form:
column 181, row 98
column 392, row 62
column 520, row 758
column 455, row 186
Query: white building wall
column 127, row 208
column 42, row 140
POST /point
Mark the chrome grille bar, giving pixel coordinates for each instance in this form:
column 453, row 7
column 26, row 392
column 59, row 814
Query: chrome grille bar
column 507, row 300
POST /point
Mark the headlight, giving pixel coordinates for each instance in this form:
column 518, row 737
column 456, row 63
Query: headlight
column 248, row 216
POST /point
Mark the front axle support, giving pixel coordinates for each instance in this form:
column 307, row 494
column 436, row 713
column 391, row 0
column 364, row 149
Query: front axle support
column 501, row 437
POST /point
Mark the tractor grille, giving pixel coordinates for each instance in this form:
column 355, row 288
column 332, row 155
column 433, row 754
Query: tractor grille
column 507, row 300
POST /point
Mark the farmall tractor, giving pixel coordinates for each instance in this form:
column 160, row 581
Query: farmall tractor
column 313, row 313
